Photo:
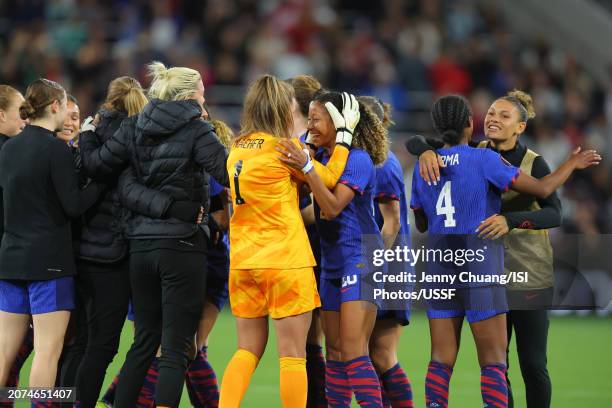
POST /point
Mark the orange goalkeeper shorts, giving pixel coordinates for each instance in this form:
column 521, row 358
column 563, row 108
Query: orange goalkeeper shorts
column 275, row 292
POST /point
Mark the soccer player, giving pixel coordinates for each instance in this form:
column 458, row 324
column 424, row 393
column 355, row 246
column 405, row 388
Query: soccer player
column 523, row 223
column 469, row 191
column 40, row 192
column 344, row 217
column 68, row 132
column 270, row 259
column 305, row 87
column 391, row 212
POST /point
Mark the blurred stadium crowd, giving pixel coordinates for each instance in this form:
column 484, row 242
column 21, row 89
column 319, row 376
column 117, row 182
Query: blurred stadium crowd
column 405, row 52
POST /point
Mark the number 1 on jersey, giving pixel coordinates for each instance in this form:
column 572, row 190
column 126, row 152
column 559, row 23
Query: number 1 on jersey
column 238, row 167
column 444, row 206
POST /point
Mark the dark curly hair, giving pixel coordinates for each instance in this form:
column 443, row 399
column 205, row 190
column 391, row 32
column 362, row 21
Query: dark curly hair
column 380, row 108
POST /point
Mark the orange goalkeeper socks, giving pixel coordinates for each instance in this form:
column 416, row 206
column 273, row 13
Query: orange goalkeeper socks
column 293, row 382
column 236, row 378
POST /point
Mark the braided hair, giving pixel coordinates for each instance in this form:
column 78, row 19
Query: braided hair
column 451, row 114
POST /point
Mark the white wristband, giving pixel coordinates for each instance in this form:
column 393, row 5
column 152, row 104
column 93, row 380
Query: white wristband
column 308, row 166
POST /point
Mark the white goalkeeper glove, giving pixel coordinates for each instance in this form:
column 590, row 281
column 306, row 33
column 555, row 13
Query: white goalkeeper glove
column 346, row 122
column 88, row 125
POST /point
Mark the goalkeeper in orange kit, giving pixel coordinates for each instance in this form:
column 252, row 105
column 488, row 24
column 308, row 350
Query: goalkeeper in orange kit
column 271, row 263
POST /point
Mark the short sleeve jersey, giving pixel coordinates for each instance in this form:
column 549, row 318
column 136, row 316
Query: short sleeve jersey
column 390, row 185
column 469, row 190
column 266, row 229
column 342, row 237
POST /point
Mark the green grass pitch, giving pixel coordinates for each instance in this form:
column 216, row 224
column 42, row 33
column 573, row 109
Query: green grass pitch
column 580, row 364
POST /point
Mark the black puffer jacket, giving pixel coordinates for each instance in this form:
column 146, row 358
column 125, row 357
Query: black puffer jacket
column 101, row 237
column 169, row 147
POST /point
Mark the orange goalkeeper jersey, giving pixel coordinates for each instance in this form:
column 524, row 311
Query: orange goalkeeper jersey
column 266, row 229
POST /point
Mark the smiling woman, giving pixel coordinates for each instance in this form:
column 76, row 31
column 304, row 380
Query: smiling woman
column 267, row 222
column 505, row 122
column 343, row 216
column 72, row 123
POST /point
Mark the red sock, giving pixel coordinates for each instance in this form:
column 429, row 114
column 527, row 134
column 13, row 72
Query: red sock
column 437, row 383
column 397, row 387
column 364, row 381
column 494, row 386
column 146, row 399
column 202, row 384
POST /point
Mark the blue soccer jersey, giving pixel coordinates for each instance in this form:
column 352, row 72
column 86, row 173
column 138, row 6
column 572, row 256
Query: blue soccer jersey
column 469, row 190
column 342, row 239
column 223, row 246
column 303, row 137
column 390, row 185
column 214, row 187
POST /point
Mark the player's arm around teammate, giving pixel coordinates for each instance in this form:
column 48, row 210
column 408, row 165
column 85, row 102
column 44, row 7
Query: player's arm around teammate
column 344, row 216
column 262, row 283
column 270, row 261
column 168, row 146
column 452, row 120
column 526, row 251
column 102, row 261
column 305, row 87
column 430, row 164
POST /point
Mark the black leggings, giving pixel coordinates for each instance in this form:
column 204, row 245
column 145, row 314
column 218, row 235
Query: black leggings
column 168, row 289
column 531, row 329
column 102, row 293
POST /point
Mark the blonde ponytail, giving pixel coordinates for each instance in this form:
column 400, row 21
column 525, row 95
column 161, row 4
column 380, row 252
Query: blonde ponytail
column 125, row 95
column 224, row 132
column 267, row 108
column 135, row 100
column 172, row 84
